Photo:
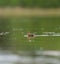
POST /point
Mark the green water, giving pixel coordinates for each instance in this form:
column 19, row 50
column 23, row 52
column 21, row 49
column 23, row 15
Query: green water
column 19, row 26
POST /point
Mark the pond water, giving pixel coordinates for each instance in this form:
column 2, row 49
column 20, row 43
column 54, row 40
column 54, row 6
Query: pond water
column 45, row 57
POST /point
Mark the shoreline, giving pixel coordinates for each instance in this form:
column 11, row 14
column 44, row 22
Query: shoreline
column 29, row 12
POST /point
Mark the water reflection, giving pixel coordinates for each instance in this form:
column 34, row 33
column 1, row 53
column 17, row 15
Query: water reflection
column 7, row 57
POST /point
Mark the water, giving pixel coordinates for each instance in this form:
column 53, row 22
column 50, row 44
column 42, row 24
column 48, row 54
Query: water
column 45, row 57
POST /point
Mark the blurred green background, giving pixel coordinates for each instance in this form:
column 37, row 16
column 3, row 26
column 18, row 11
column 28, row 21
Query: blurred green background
column 31, row 3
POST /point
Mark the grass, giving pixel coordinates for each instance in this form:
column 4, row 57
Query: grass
column 19, row 26
column 31, row 3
